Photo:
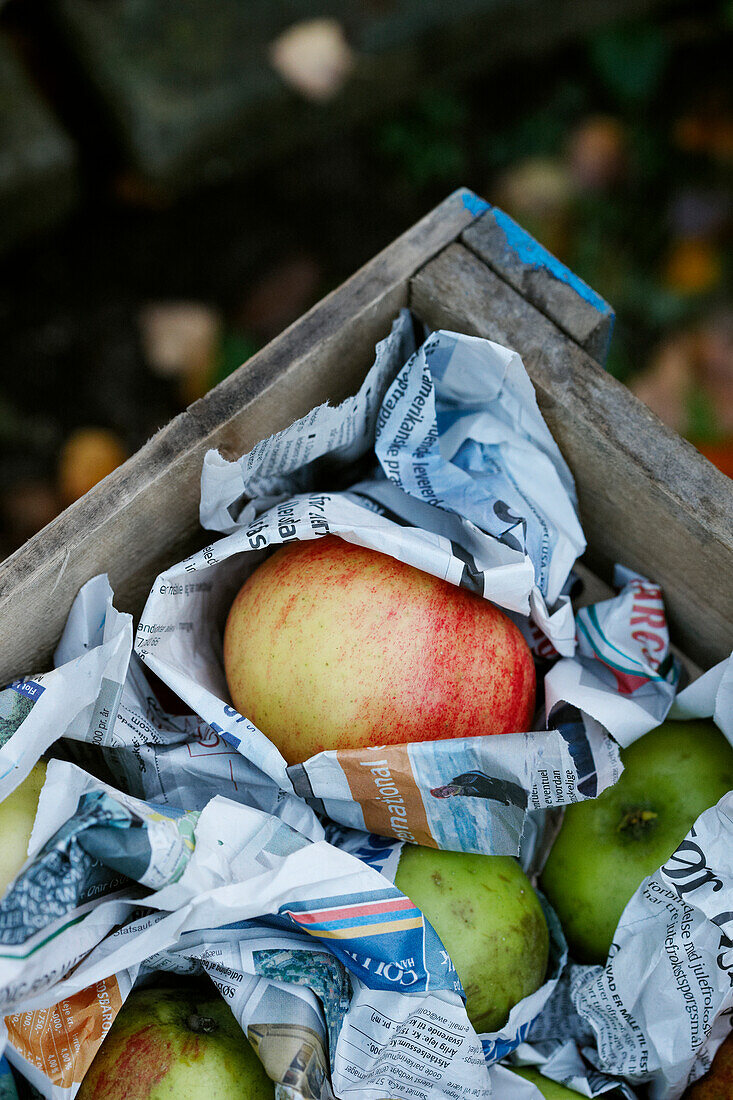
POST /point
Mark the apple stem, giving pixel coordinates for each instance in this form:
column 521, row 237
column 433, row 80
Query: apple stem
column 201, row 1025
column 636, row 822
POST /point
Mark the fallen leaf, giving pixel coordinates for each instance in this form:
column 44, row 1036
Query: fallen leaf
column 715, row 366
column 537, row 192
column 179, row 338
column 313, row 57
column 692, row 266
column 597, row 153
column 87, row 456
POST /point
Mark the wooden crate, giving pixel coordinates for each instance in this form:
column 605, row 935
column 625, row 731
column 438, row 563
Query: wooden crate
column 647, row 498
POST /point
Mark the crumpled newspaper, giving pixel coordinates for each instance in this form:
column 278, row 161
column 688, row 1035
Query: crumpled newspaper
column 79, row 697
column 289, row 929
column 443, row 467
column 98, row 699
column 459, row 439
column 93, row 855
column 657, row 1012
column 171, row 876
column 561, row 1045
column 179, row 760
column 710, row 696
column 623, row 673
column 661, row 1006
column 484, row 497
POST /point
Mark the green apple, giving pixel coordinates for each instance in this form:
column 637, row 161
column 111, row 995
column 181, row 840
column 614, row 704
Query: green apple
column 490, row 921
column 607, row 846
column 549, row 1089
column 717, row 1084
column 17, row 814
column 175, row 1044
column 333, row 646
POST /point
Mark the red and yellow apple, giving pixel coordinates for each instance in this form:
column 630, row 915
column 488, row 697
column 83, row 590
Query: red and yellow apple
column 333, row 646
column 178, row 1042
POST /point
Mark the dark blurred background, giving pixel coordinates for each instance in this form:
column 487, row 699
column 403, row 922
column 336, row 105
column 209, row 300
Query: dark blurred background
column 181, row 179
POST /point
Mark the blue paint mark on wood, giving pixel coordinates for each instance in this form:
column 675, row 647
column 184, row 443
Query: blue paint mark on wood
column 474, row 204
column 532, row 253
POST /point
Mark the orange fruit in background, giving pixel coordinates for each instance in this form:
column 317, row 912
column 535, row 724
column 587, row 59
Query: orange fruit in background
column 88, row 455
column 693, row 266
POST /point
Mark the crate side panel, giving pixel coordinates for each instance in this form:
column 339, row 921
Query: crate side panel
column 647, row 497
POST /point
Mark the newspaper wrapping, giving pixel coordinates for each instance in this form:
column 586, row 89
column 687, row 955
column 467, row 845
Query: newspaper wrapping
column 471, row 488
column 660, row 1008
column 657, row 1012
column 277, row 920
column 619, row 677
column 623, row 673
column 178, row 760
column 561, row 1045
column 710, row 696
column 663, row 1029
column 79, row 697
column 94, row 853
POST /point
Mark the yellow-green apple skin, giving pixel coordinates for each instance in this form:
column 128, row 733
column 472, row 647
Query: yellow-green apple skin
column 17, row 814
column 490, row 921
column 333, row 646
column 551, row 1090
column 176, row 1044
column 608, row 845
column 717, row 1084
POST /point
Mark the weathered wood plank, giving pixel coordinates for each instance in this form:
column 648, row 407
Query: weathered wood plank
column 144, row 516
column 542, row 280
column 647, row 497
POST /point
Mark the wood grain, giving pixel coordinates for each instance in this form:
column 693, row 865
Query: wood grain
column 542, row 280
column 647, row 498
column 144, row 516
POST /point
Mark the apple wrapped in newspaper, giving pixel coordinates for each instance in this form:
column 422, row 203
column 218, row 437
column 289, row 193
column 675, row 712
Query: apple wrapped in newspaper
column 329, row 645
